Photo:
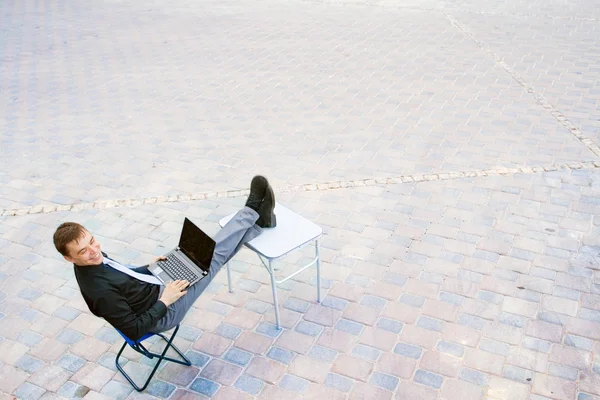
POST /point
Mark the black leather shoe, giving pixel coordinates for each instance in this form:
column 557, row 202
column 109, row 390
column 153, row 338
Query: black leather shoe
column 267, row 217
column 257, row 192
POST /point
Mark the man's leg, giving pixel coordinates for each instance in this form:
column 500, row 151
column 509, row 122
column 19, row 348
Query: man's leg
column 239, row 230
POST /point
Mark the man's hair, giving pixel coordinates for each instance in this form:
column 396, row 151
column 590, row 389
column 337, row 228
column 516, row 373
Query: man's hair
column 65, row 234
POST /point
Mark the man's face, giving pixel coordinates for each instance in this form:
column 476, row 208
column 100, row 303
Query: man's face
column 84, row 251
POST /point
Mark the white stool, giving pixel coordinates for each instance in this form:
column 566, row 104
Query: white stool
column 291, row 233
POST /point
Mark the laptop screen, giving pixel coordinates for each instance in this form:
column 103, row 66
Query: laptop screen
column 196, row 244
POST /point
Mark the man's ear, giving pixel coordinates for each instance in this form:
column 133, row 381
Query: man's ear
column 69, row 259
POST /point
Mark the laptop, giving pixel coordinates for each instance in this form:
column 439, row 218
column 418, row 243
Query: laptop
column 190, row 260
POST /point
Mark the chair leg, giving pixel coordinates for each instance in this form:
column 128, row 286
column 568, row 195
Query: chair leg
column 274, row 289
column 229, row 278
column 318, row 271
column 161, row 357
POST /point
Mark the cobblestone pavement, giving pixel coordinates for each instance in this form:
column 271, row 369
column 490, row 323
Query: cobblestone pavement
column 449, row 150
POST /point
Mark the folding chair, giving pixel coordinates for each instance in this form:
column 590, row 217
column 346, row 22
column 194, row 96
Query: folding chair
column 139, row 347
column 291, row 233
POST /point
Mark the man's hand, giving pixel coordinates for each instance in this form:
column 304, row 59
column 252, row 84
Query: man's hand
column 157, row 259
column 173, row 292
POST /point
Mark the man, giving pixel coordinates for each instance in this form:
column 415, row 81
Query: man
column 136, row 307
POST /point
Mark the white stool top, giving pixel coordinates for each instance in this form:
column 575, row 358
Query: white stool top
column 292, row 232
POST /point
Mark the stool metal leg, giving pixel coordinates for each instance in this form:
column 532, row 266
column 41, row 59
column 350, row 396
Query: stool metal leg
column 160, row 357
column 318, row 271
column 274, row 288
column 229, row 278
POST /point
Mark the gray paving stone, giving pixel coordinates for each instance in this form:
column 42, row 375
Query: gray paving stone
column 249, row 384
column 27, row 391
column 429, row 378
column 518, row 374
column 563, row 371
column 117, row 390
column 309, row 328
column 412, row 300
column 473, row 376
column 348, row 326
column 432, row 324
column 338, row 382
column 282, row 355
column 71, row 363
column 366, row 352
column 390, row 325
column 408, row 350
column 451, row 298
column 29, row 364
column 384, row 381
column 578, row 342
column 323, row 353
column 293, row 383
column 334, row 302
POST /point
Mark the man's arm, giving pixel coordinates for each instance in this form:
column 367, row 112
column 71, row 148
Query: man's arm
column 114, row 308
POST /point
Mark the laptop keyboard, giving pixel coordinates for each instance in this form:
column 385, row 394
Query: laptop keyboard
column 179, row 270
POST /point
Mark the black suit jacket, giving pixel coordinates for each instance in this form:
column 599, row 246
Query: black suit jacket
column 128, row 304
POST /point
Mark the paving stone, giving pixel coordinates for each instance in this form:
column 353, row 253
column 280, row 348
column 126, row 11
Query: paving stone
column 570, row 356
column 282, row 355
column 455, row 389
column 561, row 371
column 27, row 391
column 29, row 364
column 409, row 390
column 366, row 352
column 348, row 326
column 307, row 368
column 492, row 346
column 336, row 340
column 338, row 382
column 249, row 384
column 588, row 382
column 473, row 376
column 332, row 302
column 205, row 387
column 428, row 379
column 221, row 372
column 242, row 318
column 518, row 374
column 554, row 387
column 177, row 374
column 429, row 323
column 511, row 389
column 73, row 390
column 295, row 341
column 11, row 352
column 212, row 344
column 412, row 300
column 70, row 362
column 228, row 331
column 294, row 383
column 265, row 370
column 378, row 338
column 116, row 390
column 198, row 359
column 578, row 342
column 95, row 376
column 352, row 367
column 440, row 363
column 408, row 350
column 309, row 328
column 323, row 353
column 535, row 344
